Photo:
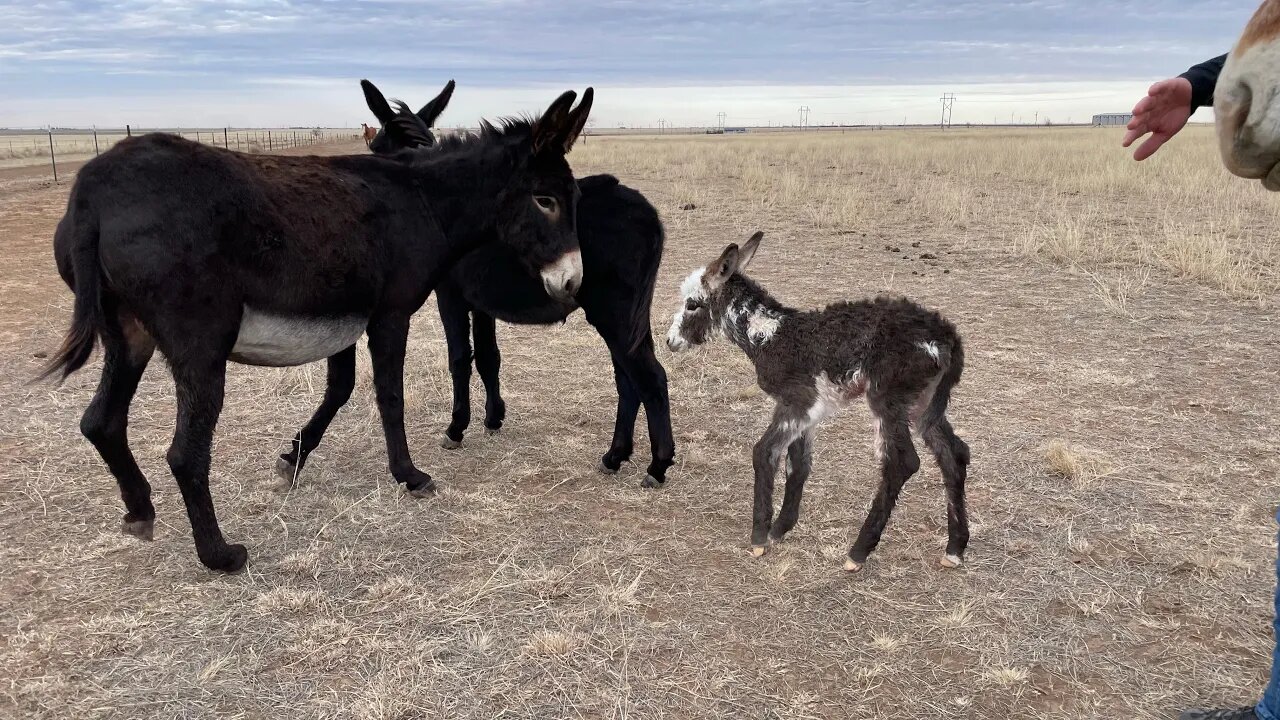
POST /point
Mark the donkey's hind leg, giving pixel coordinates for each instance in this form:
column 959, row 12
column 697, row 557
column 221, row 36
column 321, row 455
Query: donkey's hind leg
column 339, row 382
column 799, row 463
column 898, row 462
column 489, row 365
column 201, row 381
column 952, row 455
column 455, row 316
column 650, row 382
column 127, row 350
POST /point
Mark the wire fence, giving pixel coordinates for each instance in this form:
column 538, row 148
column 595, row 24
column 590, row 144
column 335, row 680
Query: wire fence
column 28, row 148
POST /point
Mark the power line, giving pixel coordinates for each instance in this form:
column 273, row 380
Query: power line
column 720, row 116
column 948, row 100
column 804, row 116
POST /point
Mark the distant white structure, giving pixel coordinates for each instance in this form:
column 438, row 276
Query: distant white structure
column 1112, row 119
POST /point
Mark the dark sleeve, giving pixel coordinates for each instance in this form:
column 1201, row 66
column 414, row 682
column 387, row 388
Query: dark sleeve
column 1204, row 77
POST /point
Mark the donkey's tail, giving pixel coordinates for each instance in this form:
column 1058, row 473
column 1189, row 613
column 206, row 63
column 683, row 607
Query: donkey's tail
column 87, row 317
column 952, row 362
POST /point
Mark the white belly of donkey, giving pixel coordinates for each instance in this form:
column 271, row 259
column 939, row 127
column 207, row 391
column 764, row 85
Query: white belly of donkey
column 279, row 340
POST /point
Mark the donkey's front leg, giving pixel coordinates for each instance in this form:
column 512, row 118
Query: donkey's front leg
column 388, row 336
column 339, row 383
column 786, row 425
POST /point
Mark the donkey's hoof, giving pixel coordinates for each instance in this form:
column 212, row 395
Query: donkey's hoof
column 851, row 566
column 230, row 559
column 141, row 529
column 286, row 470
column 421, row 485
column 758, row 550
column 492, row 430
column 951, row 561
column 605, row 469
column 651, row 482
column 449, row 443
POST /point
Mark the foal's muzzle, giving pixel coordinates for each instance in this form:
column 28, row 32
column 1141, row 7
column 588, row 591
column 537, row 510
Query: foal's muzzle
column 563, row 278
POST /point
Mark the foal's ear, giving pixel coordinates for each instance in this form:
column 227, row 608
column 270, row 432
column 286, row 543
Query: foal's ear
column 578, row 118
column 550, row 130
column 723, row 268
column 376, row 102
column 432, row 110
column 749, row 251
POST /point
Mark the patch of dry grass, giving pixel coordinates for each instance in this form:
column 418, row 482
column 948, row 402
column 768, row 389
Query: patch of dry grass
column 531, row 586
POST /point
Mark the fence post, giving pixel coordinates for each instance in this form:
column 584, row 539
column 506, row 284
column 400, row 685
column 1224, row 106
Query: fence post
column 269, row 146
column 95, row 141
column 225, row 145
column 128, row 131
column 52, row 159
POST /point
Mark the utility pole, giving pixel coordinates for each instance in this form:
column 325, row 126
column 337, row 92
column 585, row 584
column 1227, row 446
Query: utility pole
column 804, row 116
column 948, row 100
column 720, row 116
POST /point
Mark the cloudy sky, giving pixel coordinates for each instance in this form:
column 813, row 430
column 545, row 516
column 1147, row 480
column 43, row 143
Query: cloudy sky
column 287, row 62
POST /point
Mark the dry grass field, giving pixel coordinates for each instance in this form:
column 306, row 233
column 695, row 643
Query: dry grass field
column 22, row 149
column 1121, row 334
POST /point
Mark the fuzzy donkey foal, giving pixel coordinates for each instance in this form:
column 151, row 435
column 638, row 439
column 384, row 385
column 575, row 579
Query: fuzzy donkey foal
column 903, row 358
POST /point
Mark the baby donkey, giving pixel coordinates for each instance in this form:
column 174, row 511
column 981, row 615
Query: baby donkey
column 903, row 358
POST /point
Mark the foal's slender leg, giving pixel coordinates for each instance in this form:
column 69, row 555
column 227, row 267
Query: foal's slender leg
column 899, row 462
column 489, row 364
column 799, row 462
column 200, row 384
column 952, row 455
column 786, row 425
column 339, row 383
column 650, row 382
column 106, row 422
column 388, row 336
column 455, row 316
column 624, row 424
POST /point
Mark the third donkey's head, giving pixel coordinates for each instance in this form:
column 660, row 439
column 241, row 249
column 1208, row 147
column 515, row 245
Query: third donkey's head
column 701, row 305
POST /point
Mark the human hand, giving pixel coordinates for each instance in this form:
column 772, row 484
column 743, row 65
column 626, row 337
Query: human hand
column 1162, row 113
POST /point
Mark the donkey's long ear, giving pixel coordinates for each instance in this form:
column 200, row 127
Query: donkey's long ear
column 550, row 130
column 578, row 118
column 749, row 251
column 722, row 269
column 376, row 102
column 432, row 110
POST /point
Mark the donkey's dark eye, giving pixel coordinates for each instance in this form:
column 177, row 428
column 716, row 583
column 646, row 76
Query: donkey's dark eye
column 691, row 305
column 545, row 202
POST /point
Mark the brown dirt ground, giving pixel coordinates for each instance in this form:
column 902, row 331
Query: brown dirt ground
column 532, row 587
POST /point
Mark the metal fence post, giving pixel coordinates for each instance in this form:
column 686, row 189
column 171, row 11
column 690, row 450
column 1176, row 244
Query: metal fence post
column 52, row 158
column 128, row 131
column 269, row 146
column 95, row 141
column 225, row 145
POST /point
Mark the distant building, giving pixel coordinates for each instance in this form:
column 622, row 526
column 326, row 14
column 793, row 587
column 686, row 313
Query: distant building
column 1112, row 119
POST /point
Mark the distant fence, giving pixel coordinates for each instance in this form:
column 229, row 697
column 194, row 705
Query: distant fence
column 28, row 148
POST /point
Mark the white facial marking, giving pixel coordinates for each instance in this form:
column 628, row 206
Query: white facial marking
column 563, row 275
column 280, row 341
column 930, row 348
column 692, row 286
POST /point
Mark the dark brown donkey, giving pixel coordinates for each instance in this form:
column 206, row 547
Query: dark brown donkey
column 211, row 255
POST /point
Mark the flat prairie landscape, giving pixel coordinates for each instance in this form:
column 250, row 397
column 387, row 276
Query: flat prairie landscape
column 1119, row 398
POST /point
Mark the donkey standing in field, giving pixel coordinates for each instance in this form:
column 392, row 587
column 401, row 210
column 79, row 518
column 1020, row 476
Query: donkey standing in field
column 903, row 358
column 621, row 238
column 211, row 255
